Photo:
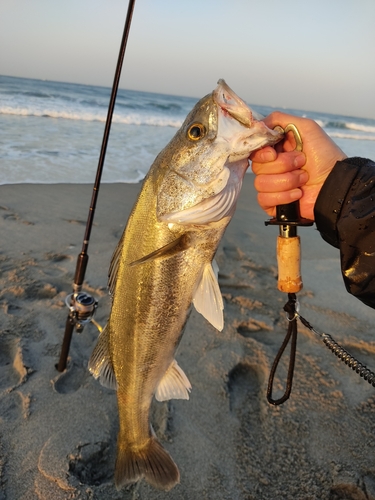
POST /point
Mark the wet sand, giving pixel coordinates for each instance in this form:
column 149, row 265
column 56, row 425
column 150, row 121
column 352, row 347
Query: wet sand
column 58, row 430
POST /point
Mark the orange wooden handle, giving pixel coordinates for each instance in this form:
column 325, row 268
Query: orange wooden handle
column 289, row 264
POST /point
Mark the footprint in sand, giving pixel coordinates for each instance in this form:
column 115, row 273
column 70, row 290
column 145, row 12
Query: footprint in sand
column 9, row 308
column 70, row 380
column 77, row 455
column 89, row 463
column 13, row 406
column 244, row 389
column 57, row 257
column 53, row 268
column 251, row 325
column 8, row 215
column 12, row 369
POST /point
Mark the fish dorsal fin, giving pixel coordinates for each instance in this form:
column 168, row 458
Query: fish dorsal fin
column 209, row 210
column 174, row 384
column 207, row 298
column 100, row 364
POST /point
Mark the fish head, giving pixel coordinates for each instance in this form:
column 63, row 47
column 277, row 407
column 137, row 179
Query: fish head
column 208, row 155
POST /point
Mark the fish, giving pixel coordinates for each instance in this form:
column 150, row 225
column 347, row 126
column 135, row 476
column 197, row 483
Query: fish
column 163, row 264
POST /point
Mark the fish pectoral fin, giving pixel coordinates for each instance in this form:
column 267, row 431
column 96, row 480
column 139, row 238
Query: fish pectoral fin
column 207, row 299
column 174, row 384
column 165, row 251
column 100, row 364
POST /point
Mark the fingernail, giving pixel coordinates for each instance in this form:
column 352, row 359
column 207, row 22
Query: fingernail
column 268, row 155
column 295, row 194
column 299, row 161
column 303, row 177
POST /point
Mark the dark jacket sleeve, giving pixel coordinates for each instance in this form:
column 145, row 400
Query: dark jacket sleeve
column 345, row 218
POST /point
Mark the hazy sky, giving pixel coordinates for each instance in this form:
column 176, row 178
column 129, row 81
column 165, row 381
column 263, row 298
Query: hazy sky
column 313, row 55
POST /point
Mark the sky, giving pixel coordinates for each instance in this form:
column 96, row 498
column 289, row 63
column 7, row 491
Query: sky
column 301, row 54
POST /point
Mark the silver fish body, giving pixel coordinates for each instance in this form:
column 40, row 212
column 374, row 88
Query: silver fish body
column 163, row 264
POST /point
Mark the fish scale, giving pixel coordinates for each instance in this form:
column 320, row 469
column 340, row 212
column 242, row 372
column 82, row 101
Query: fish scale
column 164, row 264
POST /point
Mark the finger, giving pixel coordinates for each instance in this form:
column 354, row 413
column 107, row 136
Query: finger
column 285, row 162
column 268, row 201
column 289, row 143
column 264, row 155
column 274, row 183
column 271, row 211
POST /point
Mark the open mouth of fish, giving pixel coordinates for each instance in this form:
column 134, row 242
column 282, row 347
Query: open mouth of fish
column 238, row 122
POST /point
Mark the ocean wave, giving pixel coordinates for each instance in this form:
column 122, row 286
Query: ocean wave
column 360, row 127
column 158, row 106
column 344, row 125
column 131, row 119
column 319, row 122
column 342, row 135
column 70, row 180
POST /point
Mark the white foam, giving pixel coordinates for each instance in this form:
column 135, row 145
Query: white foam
column 128, row 119
column 361, row 127
column 354, row 137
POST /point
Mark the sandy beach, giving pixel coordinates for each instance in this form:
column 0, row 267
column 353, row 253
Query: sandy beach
column 58, row 430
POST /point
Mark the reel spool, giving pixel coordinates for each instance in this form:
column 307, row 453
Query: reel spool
column 82, row 307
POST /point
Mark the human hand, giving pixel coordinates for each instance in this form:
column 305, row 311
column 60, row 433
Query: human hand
column 284, row 175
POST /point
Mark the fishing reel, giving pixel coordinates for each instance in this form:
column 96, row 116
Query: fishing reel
column 82, row 307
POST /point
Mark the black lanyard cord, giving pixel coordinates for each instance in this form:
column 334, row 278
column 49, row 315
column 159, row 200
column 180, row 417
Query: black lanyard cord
column 290, row 308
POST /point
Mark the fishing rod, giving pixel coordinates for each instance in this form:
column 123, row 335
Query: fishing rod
column 82, row 306
column 288, row 250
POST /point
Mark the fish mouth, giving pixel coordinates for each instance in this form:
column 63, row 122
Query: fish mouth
column 233, row 109
column 230, row 103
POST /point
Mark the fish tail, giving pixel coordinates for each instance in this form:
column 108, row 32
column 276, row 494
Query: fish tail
column 152, row 462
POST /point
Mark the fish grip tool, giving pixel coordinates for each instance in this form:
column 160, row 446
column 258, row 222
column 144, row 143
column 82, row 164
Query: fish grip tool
column 82, row 306
column 288, row 249
column 289, row 280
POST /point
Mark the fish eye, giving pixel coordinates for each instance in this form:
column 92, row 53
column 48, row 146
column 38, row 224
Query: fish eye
column 196, row 131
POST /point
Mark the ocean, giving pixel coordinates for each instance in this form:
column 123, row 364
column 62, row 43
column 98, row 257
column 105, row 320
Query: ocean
column 51, row 132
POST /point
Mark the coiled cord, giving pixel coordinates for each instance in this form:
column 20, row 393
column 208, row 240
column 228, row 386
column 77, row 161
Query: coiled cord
column 342, row 353
column 348, row 359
